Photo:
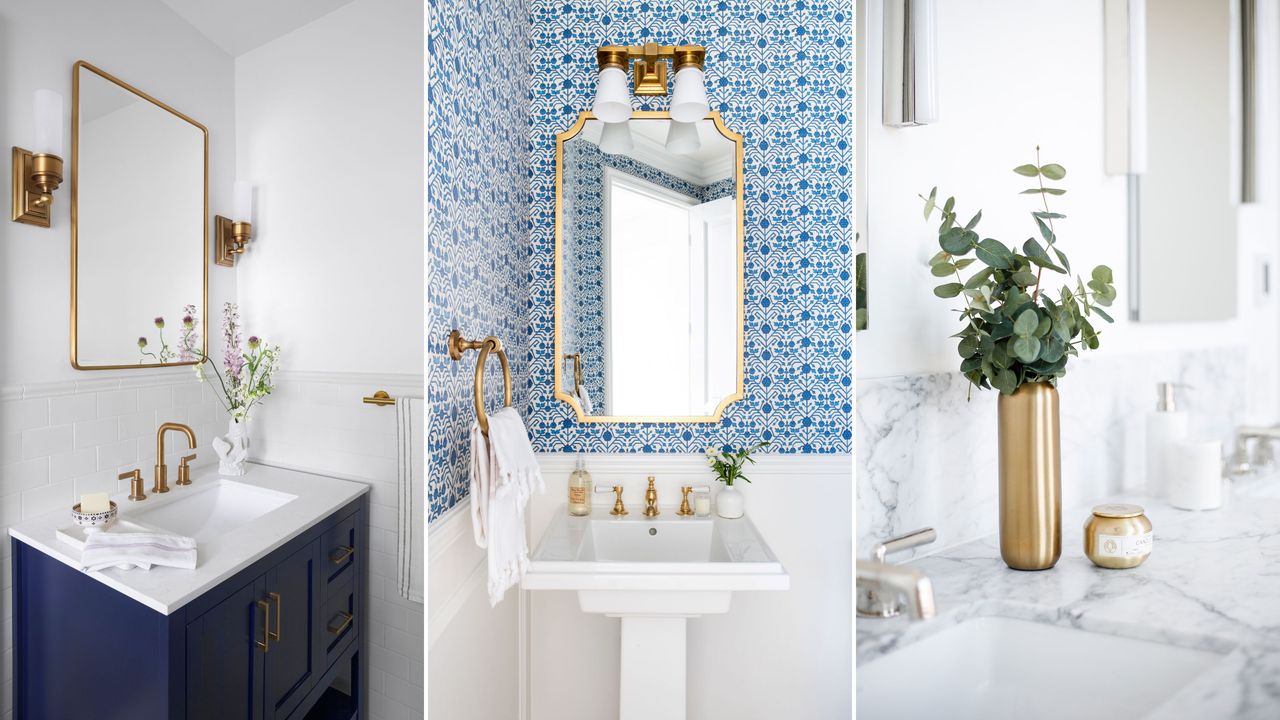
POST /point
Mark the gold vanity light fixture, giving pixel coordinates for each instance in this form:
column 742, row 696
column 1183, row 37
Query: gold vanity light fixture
column 649, row 63
column 38, row 172
column 233, row 235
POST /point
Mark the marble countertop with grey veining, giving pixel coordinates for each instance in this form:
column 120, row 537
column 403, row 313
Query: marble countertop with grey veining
column 1212, row 582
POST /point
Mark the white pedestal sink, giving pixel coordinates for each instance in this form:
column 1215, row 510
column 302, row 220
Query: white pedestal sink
column 654, row 574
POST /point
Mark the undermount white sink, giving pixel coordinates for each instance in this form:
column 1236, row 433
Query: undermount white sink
column 207, row 510
column 995, row 668
column 654, row 574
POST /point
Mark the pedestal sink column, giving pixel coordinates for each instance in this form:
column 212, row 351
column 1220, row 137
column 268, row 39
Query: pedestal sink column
column 653, row 668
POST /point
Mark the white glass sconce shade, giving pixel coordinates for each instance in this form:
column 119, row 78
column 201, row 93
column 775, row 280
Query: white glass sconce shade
column 682, row 138
column 48, row 140
column 242, row 202
column 615, row 138
column 910, row 63
column 613, row 100
column 689, row 98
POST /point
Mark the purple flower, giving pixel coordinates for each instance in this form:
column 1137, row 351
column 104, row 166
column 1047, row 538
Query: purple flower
column 160, row 323
column 253, row 342
column 142, row 342
column 232, row 358
column 188, row 322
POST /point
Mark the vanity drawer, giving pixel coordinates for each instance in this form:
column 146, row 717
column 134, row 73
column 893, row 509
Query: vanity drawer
column 339, row 619
column 338, row 554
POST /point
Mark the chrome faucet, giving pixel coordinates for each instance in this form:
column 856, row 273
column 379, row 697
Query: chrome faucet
column 162, row 470
column 885, row 590
column 1242, row 461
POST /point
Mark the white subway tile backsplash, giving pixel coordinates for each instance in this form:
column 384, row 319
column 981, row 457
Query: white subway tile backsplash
column 90, row 433
column 155, row 398
column 46, row 441
column 98, row 482
column 72, row 408
column 46, row 499
column 72, row 465
column 26, row 475
column 117, row 403
column 116, row 454
column 24, row 414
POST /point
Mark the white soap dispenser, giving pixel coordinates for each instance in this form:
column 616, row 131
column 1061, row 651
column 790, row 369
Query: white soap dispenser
column 1166, row 427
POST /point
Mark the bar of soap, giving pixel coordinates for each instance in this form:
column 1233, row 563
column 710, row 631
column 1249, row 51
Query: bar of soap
column 95, row 503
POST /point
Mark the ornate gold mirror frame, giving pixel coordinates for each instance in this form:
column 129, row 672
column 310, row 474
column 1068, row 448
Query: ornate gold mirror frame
column 75, row 182
column 738, row 394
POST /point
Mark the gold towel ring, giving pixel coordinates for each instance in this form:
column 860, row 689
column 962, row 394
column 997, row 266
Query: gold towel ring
column 457, row 345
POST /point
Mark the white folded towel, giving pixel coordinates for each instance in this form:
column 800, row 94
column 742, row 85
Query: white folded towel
column 584, row 399
column 103, row 550
column 504, row 473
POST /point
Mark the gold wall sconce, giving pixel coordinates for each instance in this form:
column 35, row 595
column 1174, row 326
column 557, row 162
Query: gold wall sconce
column 649, row 68
column 38, row 172
column 232, row 236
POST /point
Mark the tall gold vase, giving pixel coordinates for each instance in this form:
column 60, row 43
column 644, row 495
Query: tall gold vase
column 1030, row 478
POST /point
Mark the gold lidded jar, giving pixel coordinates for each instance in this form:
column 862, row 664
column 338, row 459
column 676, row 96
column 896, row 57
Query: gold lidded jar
column 1117, row 536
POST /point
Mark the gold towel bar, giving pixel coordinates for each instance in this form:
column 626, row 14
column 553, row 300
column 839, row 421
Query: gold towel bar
column 458, row 344
column 382, row 397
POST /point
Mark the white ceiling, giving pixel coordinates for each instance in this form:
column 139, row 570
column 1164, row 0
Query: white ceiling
column 238, row 26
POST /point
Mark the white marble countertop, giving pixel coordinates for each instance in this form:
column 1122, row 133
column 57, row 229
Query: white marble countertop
column 1212, row 582
column 166, row 589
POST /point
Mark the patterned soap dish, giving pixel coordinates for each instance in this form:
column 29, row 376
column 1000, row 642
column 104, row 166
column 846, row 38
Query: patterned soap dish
column 93, row 522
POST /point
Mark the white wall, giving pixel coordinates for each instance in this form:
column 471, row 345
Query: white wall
column 329, row 128
column 329, row 122
column 1014, row 74
column 145, row 44
column 773, row 655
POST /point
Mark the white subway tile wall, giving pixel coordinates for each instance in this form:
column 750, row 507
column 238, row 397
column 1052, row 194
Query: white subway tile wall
column 318, row 422
column 61, row 440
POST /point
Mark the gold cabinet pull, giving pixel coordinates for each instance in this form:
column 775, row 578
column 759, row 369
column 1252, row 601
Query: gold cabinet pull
column 265, row 642
column 346, row 621
column 341, row 556
column 279, row 613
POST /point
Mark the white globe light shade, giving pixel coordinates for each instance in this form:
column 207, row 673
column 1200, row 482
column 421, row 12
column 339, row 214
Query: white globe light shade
column 615, row 138
column 682, row 138
column 613, row 101
column 689, row 99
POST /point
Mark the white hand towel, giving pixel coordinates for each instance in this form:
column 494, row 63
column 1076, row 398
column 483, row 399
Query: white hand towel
column 584, row 399
column 412, row 507
column 504, row 473
column 107, row 549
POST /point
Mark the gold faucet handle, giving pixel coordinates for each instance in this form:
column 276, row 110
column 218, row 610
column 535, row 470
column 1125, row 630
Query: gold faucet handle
column 685, row 510
column 618, row 507
column 184, row 469
column 651, row 500
column 135, row 484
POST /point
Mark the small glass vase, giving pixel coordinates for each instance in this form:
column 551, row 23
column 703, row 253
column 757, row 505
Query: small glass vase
column 730, row 503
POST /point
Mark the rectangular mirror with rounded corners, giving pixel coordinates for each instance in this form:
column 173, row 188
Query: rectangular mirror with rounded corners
column 139, row 236
column 649, row 269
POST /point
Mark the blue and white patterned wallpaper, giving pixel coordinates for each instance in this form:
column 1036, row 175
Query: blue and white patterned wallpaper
column 478, row 223
column 583, row 321
column 781, row 74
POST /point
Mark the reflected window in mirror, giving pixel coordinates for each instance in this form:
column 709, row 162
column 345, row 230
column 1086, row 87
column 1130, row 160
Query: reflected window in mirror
column 139, row 230
column 649, row 269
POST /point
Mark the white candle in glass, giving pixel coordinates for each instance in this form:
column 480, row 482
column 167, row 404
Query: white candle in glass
column 48, row 123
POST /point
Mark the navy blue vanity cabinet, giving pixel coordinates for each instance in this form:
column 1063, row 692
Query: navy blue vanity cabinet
column 259, row 646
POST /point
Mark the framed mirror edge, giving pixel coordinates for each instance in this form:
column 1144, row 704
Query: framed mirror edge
column 75, row 181
column 558, row 367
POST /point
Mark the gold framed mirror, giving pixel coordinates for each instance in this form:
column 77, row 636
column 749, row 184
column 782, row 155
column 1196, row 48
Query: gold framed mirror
column 649, row 269
column 139, row 230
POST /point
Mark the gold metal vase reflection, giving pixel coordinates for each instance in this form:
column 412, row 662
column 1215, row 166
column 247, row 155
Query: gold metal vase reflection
column 1030, row 478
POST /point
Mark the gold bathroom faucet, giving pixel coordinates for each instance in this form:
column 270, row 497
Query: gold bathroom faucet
column 651, row 500
column 162, row 470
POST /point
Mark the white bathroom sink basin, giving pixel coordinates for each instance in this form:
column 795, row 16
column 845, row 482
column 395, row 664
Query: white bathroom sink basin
column 207, row 510
column 653, row 566
column 995, row 668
